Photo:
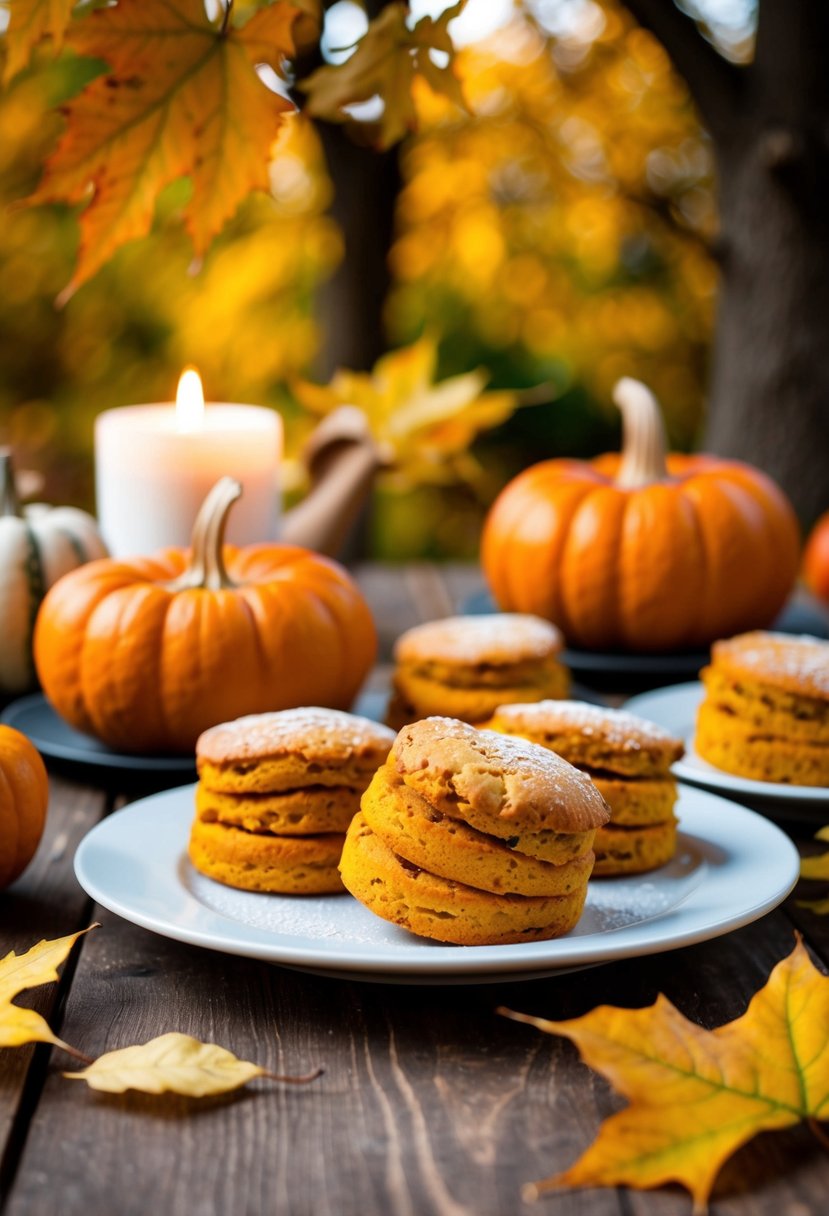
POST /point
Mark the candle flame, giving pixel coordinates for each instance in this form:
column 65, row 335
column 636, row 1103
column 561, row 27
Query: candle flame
column 190, row 401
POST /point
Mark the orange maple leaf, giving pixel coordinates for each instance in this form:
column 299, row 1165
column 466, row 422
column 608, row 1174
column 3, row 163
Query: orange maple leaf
column 696, row 1095
column 183, row 98
column 30, row 21
column 385, row 63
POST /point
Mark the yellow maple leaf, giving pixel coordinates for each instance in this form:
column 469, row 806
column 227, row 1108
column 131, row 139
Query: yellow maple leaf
column 422, row 428
column 174, row 1063
column 816, row 868
column 18, row 972
column 30, row 21
column 182, row 98
column 385, row 63
column 696, row 1095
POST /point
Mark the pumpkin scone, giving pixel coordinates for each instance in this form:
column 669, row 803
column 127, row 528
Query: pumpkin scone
column 276, row 793
column 628, row 760
column 465, row 666
column 445, row 843
column 766, row 708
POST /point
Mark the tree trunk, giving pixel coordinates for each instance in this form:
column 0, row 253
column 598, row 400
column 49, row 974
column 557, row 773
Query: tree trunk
column 366, row 184
column 365, row 187
column 769, row 401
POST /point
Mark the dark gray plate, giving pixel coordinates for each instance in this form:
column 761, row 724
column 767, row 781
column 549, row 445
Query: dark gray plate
column 55, row 740
column 607, row 670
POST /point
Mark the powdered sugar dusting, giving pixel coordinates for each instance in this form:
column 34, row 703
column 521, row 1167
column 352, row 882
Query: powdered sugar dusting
column 310, row 729
column 509, row 753
column 499, row 638
column 536, row 781
column 614, row 727
column 611, row 905
column 799, row 664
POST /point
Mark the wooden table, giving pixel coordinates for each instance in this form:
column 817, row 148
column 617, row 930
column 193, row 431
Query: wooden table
column 431, row 1105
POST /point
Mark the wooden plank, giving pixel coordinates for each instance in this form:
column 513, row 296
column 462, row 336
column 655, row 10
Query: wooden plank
column 814, row 927
column 45, row 902
column 401, row 597
column 390, row 601
column 431, row 1104
column 463, row 581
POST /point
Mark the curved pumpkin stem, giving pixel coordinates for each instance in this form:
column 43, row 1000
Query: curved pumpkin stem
column 644, row 446
column 9, row 502
column 207, row 568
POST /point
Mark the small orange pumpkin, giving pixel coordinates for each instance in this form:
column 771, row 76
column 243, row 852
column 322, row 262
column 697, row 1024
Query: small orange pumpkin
column 24, row 796
column 147, row 653
column 642, row 551
column 816, row 559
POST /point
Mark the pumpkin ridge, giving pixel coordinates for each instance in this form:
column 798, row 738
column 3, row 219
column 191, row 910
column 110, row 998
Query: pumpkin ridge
column 697, row 634
column 36, row 583
column 346, row 655
column 106, row 670
column 75, row 544
column 28, row 785
column 588, row 604
column 9, row 831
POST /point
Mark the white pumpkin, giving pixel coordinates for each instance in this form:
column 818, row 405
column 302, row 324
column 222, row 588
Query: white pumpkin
column 38, row 545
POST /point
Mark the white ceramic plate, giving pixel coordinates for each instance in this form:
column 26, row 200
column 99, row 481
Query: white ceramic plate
column 731, row 867
column 675, row 708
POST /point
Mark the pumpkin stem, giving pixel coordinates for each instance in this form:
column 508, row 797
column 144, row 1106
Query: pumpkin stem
column 644, row 446
column 9, row 502
column 207, row 568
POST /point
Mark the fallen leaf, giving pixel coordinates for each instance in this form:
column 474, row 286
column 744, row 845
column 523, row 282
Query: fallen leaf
column 174, row 1063
column 18, row 972
column 385, row 63
column 30, row 21
column 697, row 1095
column 819, row 906
column 424, row 427
column 182, row 98
column 816, row 867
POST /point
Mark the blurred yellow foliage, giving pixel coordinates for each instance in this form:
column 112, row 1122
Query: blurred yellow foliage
column 246, row 317
column 559, row 234
column 568, row 219
column 422, row 428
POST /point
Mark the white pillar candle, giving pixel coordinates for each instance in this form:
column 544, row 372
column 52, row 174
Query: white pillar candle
column 154, row 465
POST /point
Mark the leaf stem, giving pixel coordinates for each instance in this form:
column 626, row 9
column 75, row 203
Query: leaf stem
column 226, row 17
column 819, row 1134
column 302, row 1080
column 73, row 1051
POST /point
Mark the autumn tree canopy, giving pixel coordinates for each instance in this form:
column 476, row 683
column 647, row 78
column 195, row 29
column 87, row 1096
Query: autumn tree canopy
column 176, row 90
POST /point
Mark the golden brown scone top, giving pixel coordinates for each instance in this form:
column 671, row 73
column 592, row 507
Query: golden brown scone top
column 591, row 731
column 316, row 734
column 499, row 776
column 500, row 638
column 797, row 664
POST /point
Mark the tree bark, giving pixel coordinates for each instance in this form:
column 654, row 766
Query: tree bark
column 769, row 399
column 366, row 185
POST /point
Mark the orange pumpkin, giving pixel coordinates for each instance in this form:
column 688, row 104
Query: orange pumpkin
column 147, row 653
column 816, row 559
column 642, row 551
column 24, row 795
